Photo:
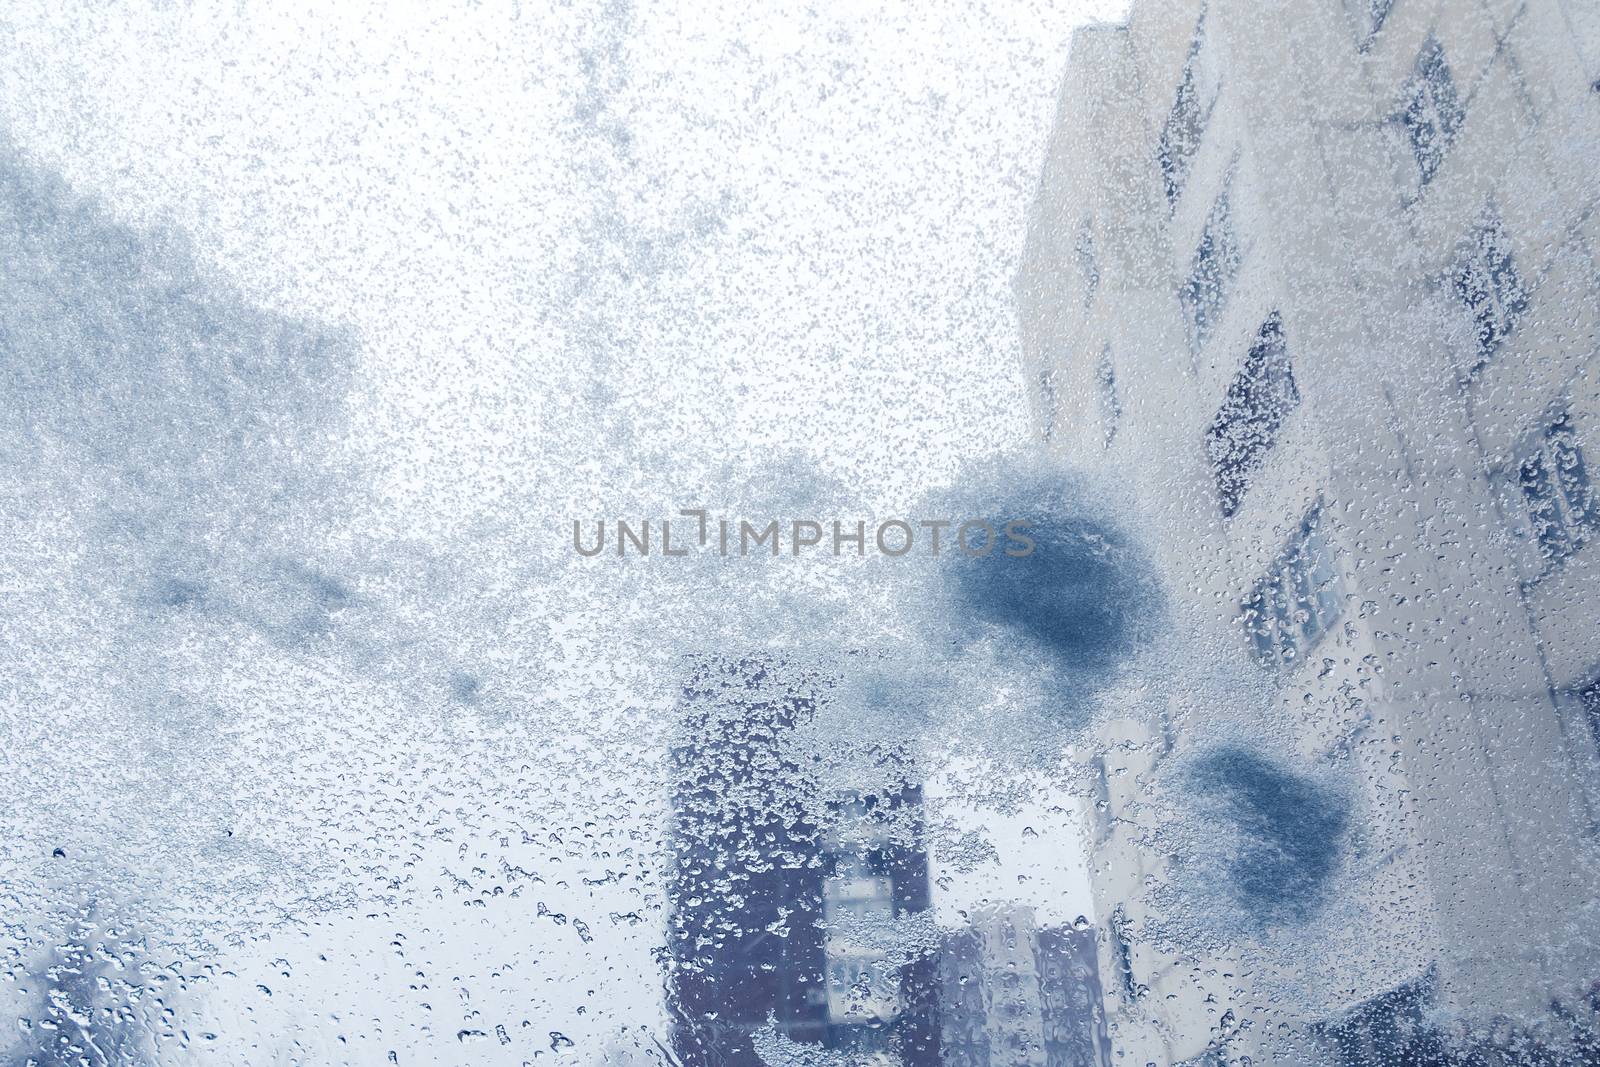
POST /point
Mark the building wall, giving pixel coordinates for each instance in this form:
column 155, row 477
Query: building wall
column 1070, row 1003
column 1449, row 667
column 777, row 889
column 1016, row 994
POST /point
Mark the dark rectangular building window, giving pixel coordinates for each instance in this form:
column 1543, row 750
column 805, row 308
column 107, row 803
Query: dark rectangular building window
column 1185, row 125
column 1589, row 700
column 1432, row 113
column 1180, row 137
column 1488, row 285
column 1049, row 403
column 1110, row 406
column 1088, row 266
column 1216, row 262
column 1377, row 12
column 1299, row 599
column 1555, row 491
column 1259, row 398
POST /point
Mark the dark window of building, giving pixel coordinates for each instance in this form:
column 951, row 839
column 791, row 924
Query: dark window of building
column 1048, row 403
column 1488, row 285
column 1216, row 262
column 1088, row 266
column 1110, row 406
column 1377, row 11
column 1299, row 599
column 1180, row 137
column 1555, row 491
column 1433, row 112
column 1589, row 701
column 1185, row 125
column 1259, row 398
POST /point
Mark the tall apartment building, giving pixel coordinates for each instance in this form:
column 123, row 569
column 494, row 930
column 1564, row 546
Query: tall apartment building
column 784, row 897
column 779, row 895
column 1319, row 280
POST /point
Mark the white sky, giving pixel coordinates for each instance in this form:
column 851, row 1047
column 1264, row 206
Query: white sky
column 781, row 225
column 415, row 170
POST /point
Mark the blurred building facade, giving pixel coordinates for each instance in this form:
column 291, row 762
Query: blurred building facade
column 1018, row 995
column 782, row 900
column 800, row 915
column 1070, row 1000
column 1321, row 284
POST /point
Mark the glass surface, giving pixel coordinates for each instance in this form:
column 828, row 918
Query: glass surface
column 807, row 534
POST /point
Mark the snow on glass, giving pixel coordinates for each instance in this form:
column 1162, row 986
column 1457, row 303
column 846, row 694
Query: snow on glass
column 1093, row 516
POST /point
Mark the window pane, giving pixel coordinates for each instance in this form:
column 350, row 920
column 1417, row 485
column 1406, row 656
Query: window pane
column 614, row 534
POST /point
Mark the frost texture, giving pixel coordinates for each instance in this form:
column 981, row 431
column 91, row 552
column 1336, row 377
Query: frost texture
column 322, row 328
